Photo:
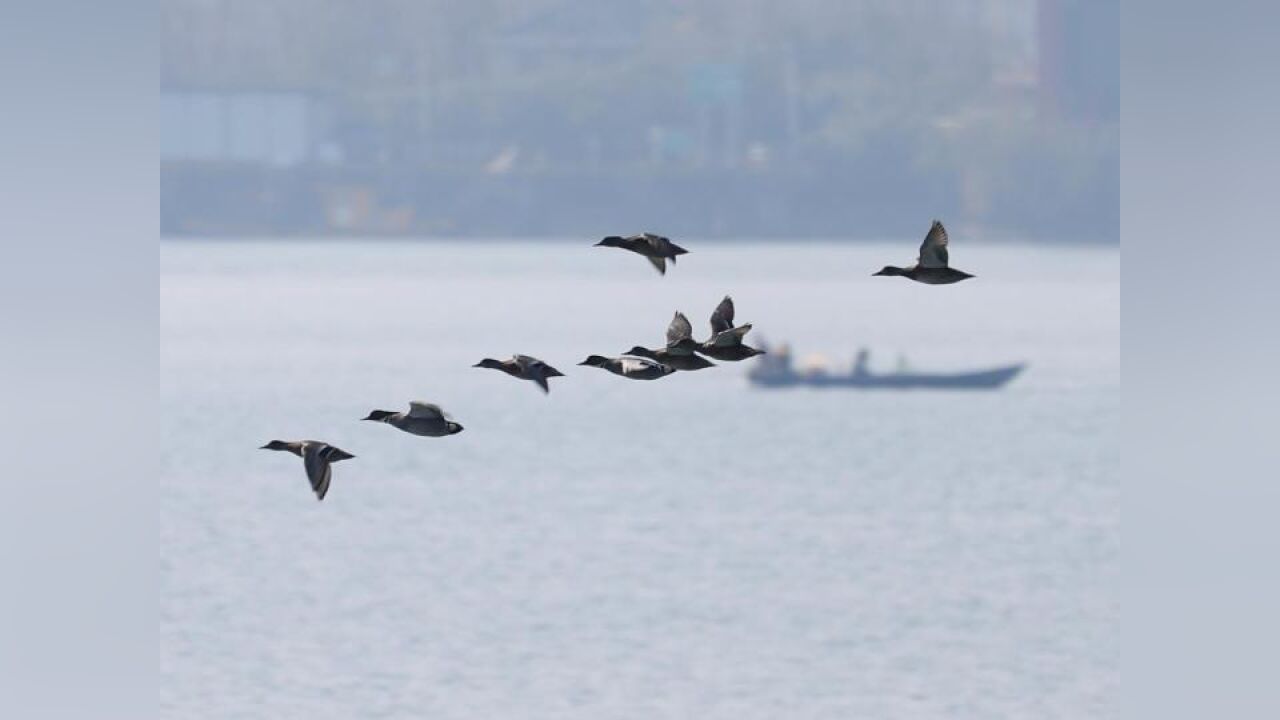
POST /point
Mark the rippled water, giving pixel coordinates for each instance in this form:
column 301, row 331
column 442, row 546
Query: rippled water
column 688, row 548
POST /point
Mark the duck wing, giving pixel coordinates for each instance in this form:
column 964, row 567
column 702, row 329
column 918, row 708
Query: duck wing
column 722, row 316
column 426, row 411
column 663, row 246
column 334, row 454
column 659, row 264
column 319, row 469
column 533, row 364
column 933, row 251
column 536, row 370
column 679, row 329
column 730, row 337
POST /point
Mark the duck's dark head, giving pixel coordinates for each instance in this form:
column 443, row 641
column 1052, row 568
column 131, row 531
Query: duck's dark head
column 489, row 363
column 890, row 270
column 378, row 415
column 595, row 361
column 454, row 428
column 612, row 241
column 642, row 352
column 276, row 445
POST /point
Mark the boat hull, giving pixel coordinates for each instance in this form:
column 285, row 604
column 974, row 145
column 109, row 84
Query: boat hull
column 977, row 380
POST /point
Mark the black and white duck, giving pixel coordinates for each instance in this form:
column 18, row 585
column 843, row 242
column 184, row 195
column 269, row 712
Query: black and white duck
column 931, row 267
column 635, row 368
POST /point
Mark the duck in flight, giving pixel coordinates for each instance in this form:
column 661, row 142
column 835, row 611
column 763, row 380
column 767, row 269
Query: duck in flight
column 422, row 419
column 525, row 368
column 725, row 342
column 656, row 248
column 679, row 351
column 635, row 368
column 931, row 267
column 317, row 458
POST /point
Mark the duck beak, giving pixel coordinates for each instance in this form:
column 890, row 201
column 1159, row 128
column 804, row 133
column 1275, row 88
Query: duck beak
column 264, row 447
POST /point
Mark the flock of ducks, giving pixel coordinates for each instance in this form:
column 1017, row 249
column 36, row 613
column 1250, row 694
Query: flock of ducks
column 682, row 353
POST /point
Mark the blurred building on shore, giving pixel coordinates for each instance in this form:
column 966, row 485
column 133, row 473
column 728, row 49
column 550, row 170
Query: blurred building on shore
column 737, row 118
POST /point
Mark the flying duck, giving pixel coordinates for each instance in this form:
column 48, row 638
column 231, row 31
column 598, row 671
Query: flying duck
column 725, row 342
column 931, row 267
column 680, row 336
column 317, row 458
column 671, row 359
column 679, row 352
column 636, row 368
column 422, row 419
column 525, row 368
column 656, row 248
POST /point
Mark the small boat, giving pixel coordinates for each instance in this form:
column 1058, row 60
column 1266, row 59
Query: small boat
column 774, row 370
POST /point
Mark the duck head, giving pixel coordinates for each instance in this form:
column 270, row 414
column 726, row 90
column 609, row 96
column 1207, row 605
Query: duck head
column 890, row 270
column 378, row 415
column 595, row 361
column 642, row 352
column 489, row 363
column 612, row 241
column 276, row 445
column 454, row 428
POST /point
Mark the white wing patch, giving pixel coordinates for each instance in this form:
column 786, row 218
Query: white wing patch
column 635, row 364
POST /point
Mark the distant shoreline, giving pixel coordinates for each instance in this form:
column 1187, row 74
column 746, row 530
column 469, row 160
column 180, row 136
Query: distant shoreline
column 981, row 239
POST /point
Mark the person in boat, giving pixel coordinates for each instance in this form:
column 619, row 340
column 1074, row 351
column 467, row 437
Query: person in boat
column 860, row 362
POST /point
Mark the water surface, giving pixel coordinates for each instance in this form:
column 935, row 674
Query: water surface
column 692, row 547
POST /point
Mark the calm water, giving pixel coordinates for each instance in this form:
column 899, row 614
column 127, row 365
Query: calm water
column 688, row 548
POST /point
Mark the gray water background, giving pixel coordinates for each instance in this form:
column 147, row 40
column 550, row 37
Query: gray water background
column 690, row 548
